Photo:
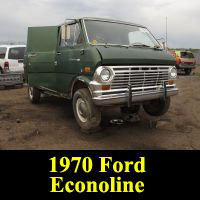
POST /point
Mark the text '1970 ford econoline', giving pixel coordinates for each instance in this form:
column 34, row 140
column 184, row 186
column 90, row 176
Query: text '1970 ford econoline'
column 98, row 63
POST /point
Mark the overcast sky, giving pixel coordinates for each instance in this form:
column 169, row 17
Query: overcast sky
column 183, row 16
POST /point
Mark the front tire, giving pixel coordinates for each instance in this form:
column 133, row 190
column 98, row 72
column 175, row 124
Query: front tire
column 157, row 107
column 34, row 95
column 86, row 113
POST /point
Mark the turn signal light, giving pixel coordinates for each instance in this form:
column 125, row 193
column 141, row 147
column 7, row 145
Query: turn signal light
column 105, row 87
column 171, row 82
column 87, row 69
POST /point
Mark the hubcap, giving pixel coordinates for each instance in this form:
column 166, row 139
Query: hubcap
column 81, row 110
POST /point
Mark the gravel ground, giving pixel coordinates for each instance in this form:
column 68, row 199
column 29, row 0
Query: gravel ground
column 51, row 124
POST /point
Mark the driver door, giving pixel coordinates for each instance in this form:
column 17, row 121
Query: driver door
column 68, row 56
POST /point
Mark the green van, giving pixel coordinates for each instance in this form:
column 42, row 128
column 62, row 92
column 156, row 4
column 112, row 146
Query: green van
column 98, row 63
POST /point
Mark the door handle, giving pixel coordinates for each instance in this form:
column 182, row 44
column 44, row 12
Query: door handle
column 82, row 51
column 58, row 53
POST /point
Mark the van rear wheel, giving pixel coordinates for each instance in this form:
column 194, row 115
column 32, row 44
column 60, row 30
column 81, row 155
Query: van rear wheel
column 34, row 95
column 86, row 113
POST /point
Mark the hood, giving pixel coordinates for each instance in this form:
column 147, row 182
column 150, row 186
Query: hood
column 132, row 56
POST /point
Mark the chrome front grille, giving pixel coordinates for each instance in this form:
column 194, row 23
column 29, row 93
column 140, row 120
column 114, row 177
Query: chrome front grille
column 141, row 78
column 147, row 83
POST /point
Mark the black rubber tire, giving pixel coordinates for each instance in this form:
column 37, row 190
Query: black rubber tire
column 35, row 97
column 188, row 71
column 157, row 107
column 93, row 114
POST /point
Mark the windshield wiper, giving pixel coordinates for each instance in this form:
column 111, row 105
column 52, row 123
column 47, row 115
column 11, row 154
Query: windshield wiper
column 118, row 45
column 113, row 45
column 139, row 45
column 157, row 47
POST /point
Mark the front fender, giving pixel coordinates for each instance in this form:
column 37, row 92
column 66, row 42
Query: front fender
column 84, row 79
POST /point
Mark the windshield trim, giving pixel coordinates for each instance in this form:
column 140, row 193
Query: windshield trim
column 116, row 22
column 113, row 21
column 85, row 30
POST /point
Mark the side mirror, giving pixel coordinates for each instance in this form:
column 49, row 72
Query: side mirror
column 70, row 21
column 67, row 32
column 63, row 32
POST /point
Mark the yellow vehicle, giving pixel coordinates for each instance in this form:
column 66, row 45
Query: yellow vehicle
column 185, row 61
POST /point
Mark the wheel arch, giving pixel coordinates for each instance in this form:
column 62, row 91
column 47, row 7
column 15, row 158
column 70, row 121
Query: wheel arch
column 78, row 83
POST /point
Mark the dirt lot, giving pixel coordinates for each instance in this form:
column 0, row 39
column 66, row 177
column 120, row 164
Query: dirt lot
column 51, row 125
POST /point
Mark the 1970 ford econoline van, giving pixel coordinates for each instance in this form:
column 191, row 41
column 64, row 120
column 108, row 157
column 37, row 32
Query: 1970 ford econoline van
column 99, row 63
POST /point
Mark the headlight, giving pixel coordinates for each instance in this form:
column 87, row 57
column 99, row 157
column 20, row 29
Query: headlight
column 105, row 75
column 172, row 73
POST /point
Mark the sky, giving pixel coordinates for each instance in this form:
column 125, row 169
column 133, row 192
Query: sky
column 183, row 16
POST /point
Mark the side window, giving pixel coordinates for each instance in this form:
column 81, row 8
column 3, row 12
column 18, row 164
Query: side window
column 16, row 53
column 2, row 52
column 70, row 35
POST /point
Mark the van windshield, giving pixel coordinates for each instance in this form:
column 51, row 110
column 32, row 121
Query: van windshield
column 100, row 32
column 16, row 53
column 3, row 52
column 187, row 55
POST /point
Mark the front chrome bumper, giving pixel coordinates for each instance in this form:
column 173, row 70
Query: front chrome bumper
column 136, row 98
column 112, row 97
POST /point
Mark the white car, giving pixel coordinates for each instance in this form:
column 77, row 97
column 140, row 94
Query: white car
column 11, row 58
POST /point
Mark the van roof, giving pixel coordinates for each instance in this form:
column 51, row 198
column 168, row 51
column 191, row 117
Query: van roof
column 101, row 19
column 10, row 45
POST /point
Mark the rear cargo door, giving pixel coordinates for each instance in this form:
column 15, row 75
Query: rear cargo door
column 41, row 52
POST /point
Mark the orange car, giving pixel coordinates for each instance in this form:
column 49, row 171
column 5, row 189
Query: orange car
column 185, row 61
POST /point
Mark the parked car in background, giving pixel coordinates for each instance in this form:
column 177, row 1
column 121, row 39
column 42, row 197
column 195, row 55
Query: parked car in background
column 185, row 61
column 11, row 58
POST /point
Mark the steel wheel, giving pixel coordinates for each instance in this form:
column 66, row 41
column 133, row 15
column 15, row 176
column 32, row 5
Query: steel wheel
column 81, row 110
column 87, row 115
